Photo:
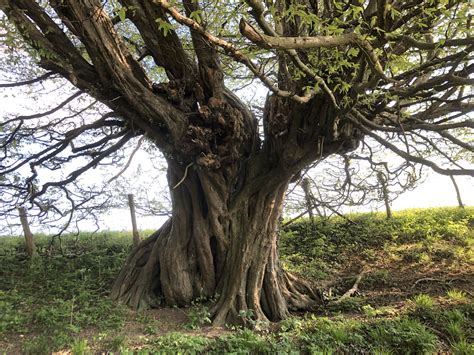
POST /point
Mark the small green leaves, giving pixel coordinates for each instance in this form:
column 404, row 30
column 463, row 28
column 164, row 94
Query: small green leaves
column 164, row 26
column 122, row 13
column 353, row 52
column 196, row 16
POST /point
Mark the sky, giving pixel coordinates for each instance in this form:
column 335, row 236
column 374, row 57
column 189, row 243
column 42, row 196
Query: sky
column 436, row 190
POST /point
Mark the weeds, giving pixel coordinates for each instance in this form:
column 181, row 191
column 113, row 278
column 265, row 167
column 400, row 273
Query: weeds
column 377, row 279
column 80, row 347
column 176, row 341
column 422, row 307
column 456, row 296
column 149, row 323
column 405, row 334
column 350, row 304
column 372, row 312
column 198, row 314
column 116, row 344
column 463, row 347
column 61, row 294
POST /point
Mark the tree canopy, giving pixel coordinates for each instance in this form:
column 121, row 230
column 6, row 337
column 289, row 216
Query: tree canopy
column 400, row 72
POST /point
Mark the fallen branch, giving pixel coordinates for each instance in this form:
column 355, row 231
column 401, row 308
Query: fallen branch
column 353, row 289
column 445, row 281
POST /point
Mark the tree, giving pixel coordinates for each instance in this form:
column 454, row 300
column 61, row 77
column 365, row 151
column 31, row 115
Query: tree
column 338, row 72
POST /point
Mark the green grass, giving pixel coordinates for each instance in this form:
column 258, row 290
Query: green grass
column 60, row 300
column 52, row 299
column 422, row 236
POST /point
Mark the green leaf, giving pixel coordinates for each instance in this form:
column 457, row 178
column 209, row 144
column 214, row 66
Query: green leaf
column 353, row 52
column 122, row 13
column 164, row 26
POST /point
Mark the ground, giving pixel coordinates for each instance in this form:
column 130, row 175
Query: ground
column 415, row 294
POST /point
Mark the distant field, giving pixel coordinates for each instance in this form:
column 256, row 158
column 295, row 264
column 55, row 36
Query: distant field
column 415, row 293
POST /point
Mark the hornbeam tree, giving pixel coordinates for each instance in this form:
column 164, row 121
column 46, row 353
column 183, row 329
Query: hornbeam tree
column 337, row 72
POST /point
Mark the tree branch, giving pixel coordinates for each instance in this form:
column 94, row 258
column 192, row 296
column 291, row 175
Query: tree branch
column 27, row 82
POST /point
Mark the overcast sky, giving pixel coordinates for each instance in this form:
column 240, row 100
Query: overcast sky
column 436, row 190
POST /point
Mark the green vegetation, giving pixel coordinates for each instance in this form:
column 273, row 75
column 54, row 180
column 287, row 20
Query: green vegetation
column 412, row 236
column 49, row 302
column 418, row 304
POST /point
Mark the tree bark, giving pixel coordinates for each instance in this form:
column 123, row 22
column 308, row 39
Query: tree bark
column 216, row 249
column 227, row 192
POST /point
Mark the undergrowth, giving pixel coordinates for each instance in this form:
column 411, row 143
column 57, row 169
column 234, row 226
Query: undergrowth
column 421, row 236
column 50, row 300
column 60, row 300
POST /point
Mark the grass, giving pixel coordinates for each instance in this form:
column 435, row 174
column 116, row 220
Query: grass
column 49, row 301
column 415, row 295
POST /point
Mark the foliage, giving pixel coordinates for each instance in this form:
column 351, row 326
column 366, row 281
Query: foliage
column 456, row 295
column 341, row 77
column 182, row 342
column 198, row 314
column 63, row 292
column 244, row 342
column 364, row 73
column 422, row 306
column 407, row 334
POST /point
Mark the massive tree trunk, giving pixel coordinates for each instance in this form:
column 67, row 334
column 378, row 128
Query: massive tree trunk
column 222, row 239
column 218, row 244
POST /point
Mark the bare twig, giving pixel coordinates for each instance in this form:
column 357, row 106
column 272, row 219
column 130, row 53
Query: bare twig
column 135, row 150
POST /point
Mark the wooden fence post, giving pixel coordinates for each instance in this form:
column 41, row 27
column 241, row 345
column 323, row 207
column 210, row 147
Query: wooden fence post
column 30, row 244
column 136, row 236
column 382, row 179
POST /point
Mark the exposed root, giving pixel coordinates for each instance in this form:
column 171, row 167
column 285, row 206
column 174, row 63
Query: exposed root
column 138, row 278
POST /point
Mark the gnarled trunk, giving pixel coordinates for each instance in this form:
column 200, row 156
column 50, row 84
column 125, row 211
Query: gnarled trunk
column 222, row 239
column 219, row 243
